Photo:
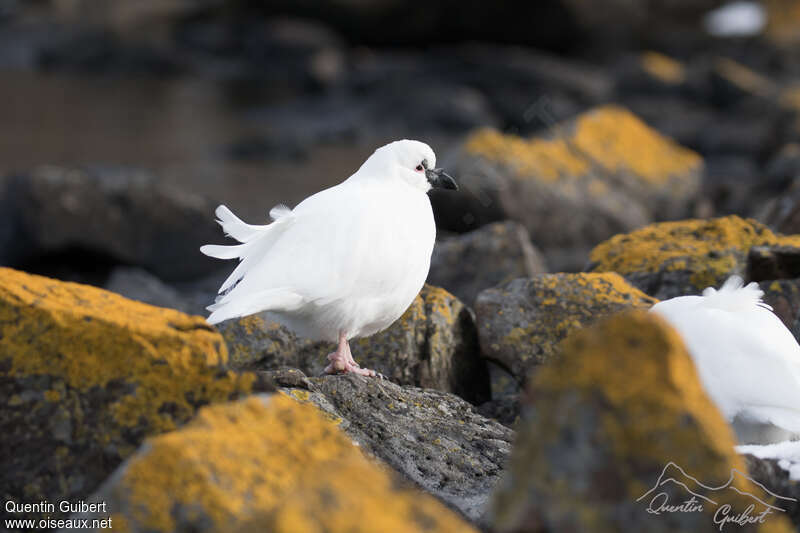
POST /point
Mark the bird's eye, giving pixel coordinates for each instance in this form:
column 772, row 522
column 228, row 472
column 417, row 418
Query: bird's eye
column 419, row 168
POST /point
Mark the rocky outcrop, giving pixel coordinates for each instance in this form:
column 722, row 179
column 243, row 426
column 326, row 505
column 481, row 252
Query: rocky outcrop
column 267, row 463
column 433, row 345
column 618, row 425
column 678, row 258
column 489, row 256
column 86, row 375
column 602, row 173
column 433, row 438
column 122, row 215
column 521, row 324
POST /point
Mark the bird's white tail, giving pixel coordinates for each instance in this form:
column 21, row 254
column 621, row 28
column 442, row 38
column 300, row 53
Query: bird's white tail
column 255, row 240
column 734, row 295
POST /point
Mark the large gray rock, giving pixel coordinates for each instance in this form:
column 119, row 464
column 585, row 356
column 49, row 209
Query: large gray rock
column 433, row 438
column 123, row 214
column 433, row 345
column 487, row 257
column 521, row 324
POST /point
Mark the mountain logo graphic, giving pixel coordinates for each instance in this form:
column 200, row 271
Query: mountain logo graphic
column 676, row 485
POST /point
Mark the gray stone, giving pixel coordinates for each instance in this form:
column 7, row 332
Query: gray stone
column 489, row 256
column 433, row 438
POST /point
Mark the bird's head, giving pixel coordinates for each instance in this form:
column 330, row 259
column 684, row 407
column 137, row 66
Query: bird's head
column 411, row 161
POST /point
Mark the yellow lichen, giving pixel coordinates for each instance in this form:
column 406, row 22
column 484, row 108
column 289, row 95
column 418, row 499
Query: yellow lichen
column 565, row 303
column 663, row 67
column 610, row 138
column 89, row 337
column 709, row 249
column 271, row 465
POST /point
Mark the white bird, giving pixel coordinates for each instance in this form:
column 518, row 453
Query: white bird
column 748, row 361
column 347, row 261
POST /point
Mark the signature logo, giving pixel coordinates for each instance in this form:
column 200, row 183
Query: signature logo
column 675, row 491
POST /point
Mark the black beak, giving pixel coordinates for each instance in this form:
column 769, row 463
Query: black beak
column 439, row 180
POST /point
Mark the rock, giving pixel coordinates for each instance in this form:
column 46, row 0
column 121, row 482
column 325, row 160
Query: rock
column 138, row 284
column 603, row 173
column 595, row 443
column 87, row 375
column 118, row 213
column 671, row 259
column 433, row 345
column 489, row 256
column 776, row 479
column 266, row 463
column 782, row 213
column 433, row 438
column 773, row 262
column 521, row 324
column 783, row 295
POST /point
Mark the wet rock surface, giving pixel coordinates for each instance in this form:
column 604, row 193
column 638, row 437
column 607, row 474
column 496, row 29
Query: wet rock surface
column 521, row 324
column 593, row 441
column 433, row 438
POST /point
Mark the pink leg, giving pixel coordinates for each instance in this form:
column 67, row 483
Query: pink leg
column 342, row 362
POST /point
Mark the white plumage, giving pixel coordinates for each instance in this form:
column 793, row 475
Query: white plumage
column 347, row 261
column 748, row 361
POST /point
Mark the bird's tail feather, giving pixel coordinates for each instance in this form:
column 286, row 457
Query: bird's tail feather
column 734, row 295
column 280, row 299
column 234, row 227
column 255, row 241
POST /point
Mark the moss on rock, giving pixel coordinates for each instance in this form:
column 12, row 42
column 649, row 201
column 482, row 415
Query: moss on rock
column 521, row 324
column 265, row 464
column 621, row 407
column 674, row 258
column 87, row 374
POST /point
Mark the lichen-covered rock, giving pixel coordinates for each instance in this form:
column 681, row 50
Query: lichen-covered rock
column 433, row 438
column 266, row 463
column 603, row 173
column 677, row 258
column 433, row 345
column 484, row 258
column 521, row 324
column 86, row 375
column 619, row 413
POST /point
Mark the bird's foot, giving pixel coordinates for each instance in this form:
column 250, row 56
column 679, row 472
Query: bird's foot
column 341, row 365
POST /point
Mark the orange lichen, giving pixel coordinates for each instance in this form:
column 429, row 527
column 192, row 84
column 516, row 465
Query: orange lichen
column 709, row 249
column 609, row 138
column 663, row 67
column 89, row 337
column 270, row 464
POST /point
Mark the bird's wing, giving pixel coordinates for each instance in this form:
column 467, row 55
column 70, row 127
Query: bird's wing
column 747, row 359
